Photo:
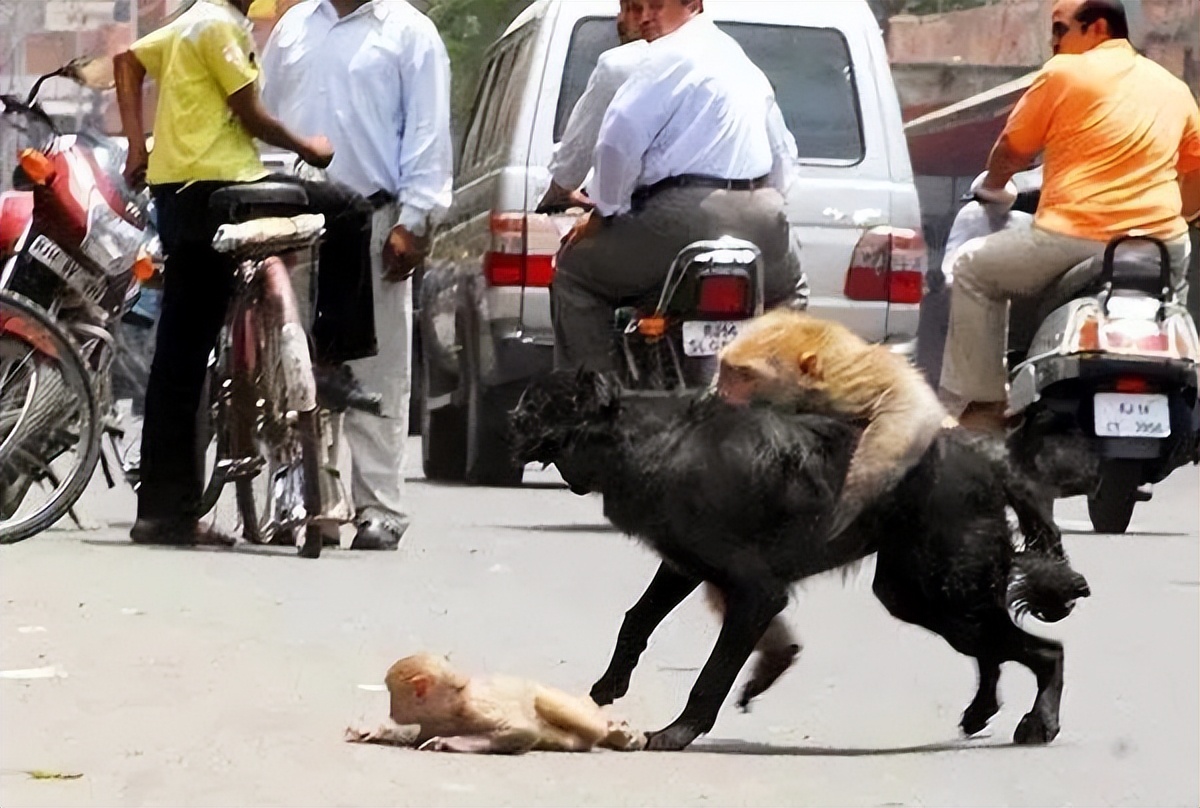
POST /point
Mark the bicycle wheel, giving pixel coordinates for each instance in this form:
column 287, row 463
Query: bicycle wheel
column 49, row 421
column 273, row 408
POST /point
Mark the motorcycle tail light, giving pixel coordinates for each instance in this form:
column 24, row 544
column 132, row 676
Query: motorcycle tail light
column 724, row 295
column 37, row 166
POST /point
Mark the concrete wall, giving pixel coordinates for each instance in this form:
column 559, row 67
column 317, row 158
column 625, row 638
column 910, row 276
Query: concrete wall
column 1017, row 33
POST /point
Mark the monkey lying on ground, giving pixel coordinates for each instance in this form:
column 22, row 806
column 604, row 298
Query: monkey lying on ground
column 435, row 707
column 794, row 360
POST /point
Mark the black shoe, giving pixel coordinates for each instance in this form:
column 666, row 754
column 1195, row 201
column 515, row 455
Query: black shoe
column 378, row 533
column 178, row 533
column 338, row 390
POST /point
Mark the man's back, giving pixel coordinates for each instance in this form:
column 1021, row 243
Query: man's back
column 198, row 61
column 1113, row 125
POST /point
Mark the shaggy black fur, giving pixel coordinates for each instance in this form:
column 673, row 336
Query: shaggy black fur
column 740, row 498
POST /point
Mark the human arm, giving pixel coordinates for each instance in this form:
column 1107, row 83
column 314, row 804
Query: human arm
column 1025, row 134
column 248, row 108
column 130, row 75
column 784, row 154
column 231, row 67
column 1189, row 167
column 426, row 152
column 573, row 158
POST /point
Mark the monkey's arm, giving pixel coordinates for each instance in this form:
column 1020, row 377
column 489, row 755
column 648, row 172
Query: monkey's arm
column 388, row 732
column 893, row 442
column 510, row 741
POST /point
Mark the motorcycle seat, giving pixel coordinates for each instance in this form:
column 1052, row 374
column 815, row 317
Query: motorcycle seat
column 240, row 203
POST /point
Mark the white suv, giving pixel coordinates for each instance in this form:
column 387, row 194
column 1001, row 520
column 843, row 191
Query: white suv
column 485, row 306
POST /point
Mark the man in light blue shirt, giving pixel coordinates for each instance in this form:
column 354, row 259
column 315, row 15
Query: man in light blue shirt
column 374, row 77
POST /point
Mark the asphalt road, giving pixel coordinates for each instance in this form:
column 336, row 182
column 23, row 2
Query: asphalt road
column 214, row 678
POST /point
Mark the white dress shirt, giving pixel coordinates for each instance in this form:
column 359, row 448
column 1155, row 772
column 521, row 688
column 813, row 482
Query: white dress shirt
column 377, row 84
column 696, row 105
column 573, row 159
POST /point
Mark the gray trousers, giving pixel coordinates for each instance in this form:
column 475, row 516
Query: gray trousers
column 627, row 261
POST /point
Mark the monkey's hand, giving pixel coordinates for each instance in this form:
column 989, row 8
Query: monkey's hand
column 623, row 738
column 387, row 733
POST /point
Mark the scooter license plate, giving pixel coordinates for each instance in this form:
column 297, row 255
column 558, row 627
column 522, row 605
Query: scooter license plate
column 1132, row 415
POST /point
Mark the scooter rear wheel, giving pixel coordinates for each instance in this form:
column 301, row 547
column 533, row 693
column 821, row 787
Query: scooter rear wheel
column 1111, row 507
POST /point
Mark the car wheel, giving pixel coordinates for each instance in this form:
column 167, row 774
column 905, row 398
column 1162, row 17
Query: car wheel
column 443, row 436
column 489, row 459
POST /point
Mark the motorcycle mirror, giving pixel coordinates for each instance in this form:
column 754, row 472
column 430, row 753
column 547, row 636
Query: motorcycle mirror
column 95, row 73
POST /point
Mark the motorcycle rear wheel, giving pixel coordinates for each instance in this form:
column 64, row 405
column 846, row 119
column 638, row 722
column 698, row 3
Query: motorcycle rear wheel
column 41, row 374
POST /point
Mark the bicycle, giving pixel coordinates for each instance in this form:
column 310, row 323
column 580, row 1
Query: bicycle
column 262, row 396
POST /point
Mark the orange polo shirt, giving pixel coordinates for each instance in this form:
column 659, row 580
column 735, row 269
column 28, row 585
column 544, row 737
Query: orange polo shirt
column 1116, row 131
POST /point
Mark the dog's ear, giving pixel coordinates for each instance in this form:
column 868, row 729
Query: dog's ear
column 608, row 393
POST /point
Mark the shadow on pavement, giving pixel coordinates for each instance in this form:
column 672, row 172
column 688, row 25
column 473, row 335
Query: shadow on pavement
column 734, row 747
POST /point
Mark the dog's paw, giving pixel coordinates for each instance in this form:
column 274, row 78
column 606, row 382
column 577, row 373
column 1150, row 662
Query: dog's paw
column 1034, row 730
column 672, row 739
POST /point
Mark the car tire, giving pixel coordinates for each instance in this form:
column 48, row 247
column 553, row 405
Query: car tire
column 443, row 435
column 489, row 456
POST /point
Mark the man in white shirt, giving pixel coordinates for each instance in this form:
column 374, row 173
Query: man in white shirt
column 693, row 146
column 572, row 161
column 374, row 77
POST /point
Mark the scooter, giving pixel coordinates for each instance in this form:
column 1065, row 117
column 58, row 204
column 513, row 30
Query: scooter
column 1102, row 382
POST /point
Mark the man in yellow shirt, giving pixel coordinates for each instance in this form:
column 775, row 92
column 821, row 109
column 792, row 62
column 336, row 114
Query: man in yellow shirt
column 208, row 116
column 1120, row 137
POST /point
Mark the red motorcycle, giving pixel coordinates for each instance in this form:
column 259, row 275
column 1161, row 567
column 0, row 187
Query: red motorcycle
column 74, row 242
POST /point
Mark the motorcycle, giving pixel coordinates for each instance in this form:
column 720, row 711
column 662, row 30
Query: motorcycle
column 1102, row 380
column 75, row 241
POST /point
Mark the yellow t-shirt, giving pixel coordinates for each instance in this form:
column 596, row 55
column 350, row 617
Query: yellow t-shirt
column 198, row 61
column 1116, row 130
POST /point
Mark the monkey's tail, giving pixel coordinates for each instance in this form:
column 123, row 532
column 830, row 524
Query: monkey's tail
column 1044, row 586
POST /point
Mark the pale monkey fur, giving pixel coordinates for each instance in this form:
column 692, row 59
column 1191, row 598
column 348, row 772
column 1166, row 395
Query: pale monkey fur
column 789, row 358
column 433, row 706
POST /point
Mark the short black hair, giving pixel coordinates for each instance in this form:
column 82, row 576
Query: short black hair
column 1111, row 11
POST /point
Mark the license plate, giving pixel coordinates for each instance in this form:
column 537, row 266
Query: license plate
column 708, row 338
column 1130, row 415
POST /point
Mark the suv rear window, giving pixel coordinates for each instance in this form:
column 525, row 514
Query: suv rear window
column 810, row 69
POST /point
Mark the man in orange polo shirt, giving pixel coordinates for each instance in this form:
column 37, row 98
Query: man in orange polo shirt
column 1120, row 138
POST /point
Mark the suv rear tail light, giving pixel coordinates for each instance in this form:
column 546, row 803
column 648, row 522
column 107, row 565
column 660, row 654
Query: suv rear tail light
column 888, row 264
column 723, row 296
column 523, row 250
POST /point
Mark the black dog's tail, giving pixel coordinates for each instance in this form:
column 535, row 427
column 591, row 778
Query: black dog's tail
column 1044, row 586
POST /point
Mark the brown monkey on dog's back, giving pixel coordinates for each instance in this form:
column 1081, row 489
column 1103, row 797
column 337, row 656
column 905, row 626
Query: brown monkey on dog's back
column 791, row 359
column 436, row 707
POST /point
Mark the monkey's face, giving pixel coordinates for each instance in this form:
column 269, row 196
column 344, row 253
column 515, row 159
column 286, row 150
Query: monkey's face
column 772, row 379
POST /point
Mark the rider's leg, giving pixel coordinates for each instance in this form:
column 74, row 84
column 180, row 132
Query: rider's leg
column 376, row 443
column 197, row 285
column 626, row 260
column 987, row 272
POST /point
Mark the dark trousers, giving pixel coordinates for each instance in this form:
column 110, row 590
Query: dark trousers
column 197, row 285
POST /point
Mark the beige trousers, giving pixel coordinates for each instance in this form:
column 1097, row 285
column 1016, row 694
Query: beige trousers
column 988, row 272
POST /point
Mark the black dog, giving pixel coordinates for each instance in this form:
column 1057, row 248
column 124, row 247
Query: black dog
column 740, row 498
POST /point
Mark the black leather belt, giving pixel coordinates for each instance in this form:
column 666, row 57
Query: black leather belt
column 696, row 181
column 381, row 199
